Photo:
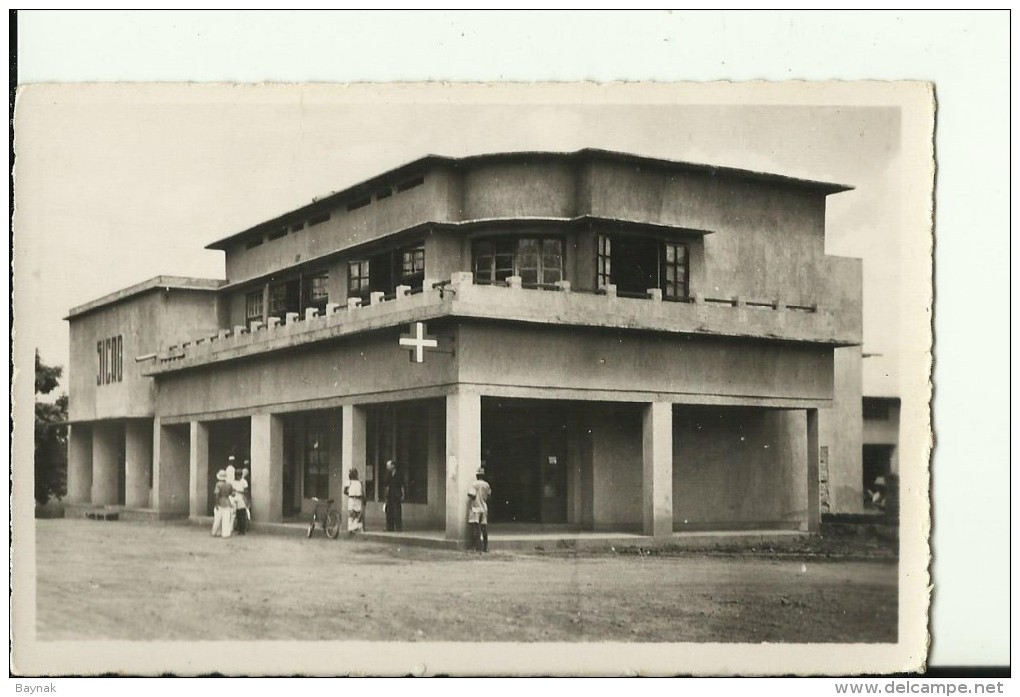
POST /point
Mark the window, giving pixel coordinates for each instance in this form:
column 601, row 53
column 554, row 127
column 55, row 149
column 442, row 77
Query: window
column 605, row 262
column 634, row 264
column 674, row 285
column 875, row 409
column 538, row 261
column 360, row 203
column 297, row 226
column 317, row 290
column 357, row 277
column 253, row 306
column 316, row 446
column 383, row 193
column 410, row 184
column 278, row 233
column 253, row 242
column 399, row 433
column 284, row 297
column 321, row 218
column 110, row 358
column 412, row 266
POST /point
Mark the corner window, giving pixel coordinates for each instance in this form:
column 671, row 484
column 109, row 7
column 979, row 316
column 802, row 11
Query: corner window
column 537, row 260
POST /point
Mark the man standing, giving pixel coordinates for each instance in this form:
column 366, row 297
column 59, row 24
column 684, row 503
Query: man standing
column 394, row 498
column 478, row 513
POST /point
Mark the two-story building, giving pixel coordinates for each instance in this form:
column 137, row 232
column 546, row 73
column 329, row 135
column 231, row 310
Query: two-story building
column 625, row 343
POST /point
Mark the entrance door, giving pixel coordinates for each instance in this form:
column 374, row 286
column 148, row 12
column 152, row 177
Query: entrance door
column 524, row 455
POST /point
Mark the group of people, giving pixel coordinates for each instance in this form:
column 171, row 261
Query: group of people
column 394, row 492
column 393, row 497
column 232, row 512
column 233, row 503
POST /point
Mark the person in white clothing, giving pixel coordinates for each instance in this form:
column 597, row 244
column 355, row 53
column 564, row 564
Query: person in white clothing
column 240, row 499
column 355, row 504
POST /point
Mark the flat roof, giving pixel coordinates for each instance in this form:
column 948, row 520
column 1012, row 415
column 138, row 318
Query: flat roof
column 155, row 283
column 410, row 168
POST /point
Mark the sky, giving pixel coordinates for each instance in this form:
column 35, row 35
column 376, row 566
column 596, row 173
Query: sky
column 117, row 184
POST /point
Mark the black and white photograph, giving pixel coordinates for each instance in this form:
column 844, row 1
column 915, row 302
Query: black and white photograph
column 474, row 379
column 604, row 365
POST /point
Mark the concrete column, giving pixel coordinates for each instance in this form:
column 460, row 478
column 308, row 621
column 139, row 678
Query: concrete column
column 79, row 464
column 198, row 470
column 352, row 448
column 463, row 457
column 104, row 463
column 137, row 462
column 814, row 517
column 267, row 468
column 657, row 465
column 171, row 469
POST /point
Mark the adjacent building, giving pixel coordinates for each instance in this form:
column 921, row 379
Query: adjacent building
column 624, row 343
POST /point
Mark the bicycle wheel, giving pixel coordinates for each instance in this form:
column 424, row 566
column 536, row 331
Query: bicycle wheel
column 333, row 525
column 311, row 527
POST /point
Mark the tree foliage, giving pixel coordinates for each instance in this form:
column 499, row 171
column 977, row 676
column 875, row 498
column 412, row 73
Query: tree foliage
column 50, row 434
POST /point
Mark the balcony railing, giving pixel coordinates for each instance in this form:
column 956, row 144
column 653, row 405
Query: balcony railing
column 460, row 297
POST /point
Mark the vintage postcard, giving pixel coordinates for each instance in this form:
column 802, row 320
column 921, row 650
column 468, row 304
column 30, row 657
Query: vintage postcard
column 479, row 379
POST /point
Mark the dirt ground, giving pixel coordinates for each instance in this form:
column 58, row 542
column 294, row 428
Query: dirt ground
column 121, row 580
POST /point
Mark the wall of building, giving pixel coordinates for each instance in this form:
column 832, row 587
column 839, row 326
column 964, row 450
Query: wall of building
column 146, row 322
column 364, row 365
column 735, row 465
column 839, row 436
column 541, row 187
column 429, row 202
column 615, row 361
column 616, row 467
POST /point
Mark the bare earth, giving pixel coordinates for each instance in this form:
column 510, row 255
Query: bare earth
column 121, row 580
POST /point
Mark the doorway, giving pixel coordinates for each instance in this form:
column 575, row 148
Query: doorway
column 524, row 453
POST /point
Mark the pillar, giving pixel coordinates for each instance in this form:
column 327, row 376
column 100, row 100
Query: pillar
column 267, row 468
column 79, row 464
column 198, row 470
column 352, row 449
column 104, row 463
column 171, row 468
column 813, row 502
column 463, row 457
column 657, row 469
column 138, row 462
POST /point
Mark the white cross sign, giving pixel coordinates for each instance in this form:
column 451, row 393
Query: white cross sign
column 416, row 342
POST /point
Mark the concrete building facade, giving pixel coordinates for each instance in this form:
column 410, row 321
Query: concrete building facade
column 625, row 343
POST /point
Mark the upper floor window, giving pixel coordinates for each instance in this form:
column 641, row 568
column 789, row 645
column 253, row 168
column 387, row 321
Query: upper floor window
column 675, row 271
column 357, row 277
column 412, row 266
column 253, row 306
column 875, row 409
column 316, row 290
column 537, row 260
column 634, row 264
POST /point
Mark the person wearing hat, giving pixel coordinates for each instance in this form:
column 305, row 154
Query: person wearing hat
column 223, row 514
column 478, row 511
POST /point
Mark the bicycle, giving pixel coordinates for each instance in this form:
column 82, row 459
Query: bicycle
column 330, row 520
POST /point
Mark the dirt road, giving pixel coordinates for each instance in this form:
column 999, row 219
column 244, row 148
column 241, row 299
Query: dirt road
column 119, row 580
